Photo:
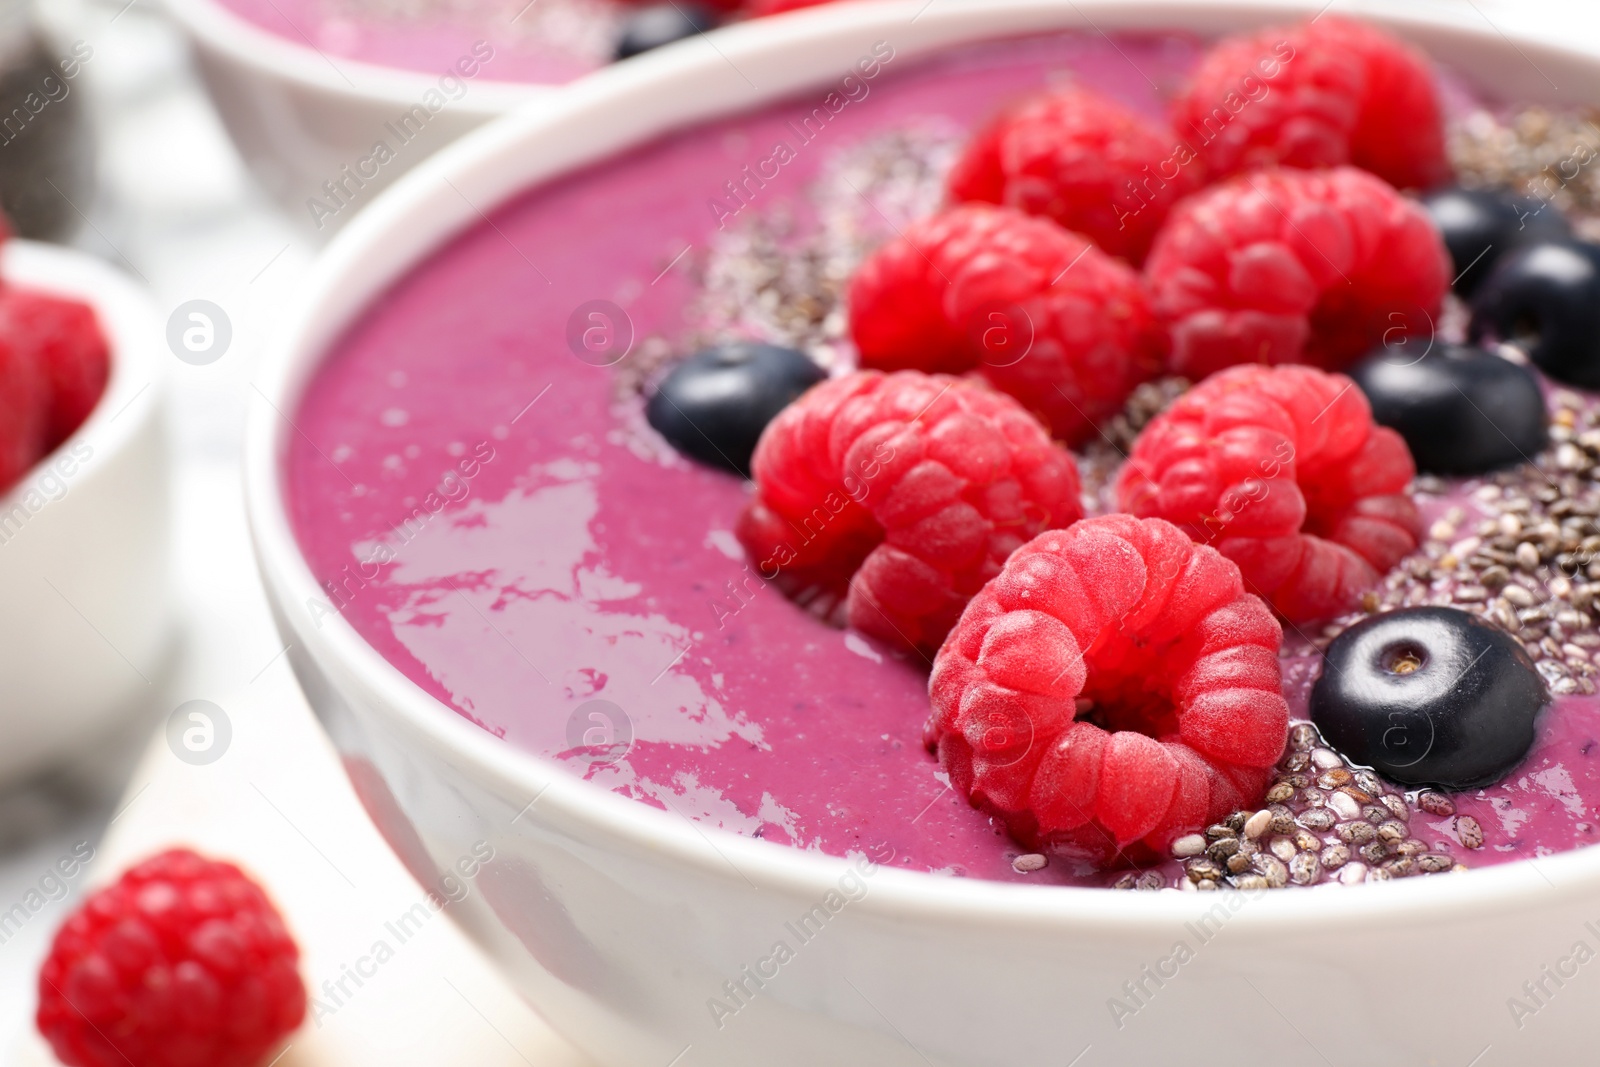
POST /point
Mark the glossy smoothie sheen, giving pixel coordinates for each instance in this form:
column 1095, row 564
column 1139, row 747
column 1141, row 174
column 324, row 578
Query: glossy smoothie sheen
column 490, row 511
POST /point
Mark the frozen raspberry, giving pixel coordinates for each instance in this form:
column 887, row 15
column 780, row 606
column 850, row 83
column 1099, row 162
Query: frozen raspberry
column 1036, row 310
column 895, row 497
column 64, row 340
column 1085, row 161
column 1112, row 689
column 1322, row 94
column 182, row 962
column 1294, row 266
column 1283, row 470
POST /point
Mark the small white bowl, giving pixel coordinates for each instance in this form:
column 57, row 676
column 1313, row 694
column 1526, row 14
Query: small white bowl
column 621, row 922
column 86, row 622
column 299, row 121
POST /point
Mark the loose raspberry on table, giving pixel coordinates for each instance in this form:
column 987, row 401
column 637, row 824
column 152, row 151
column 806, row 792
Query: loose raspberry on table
column 1038, row 311
column 1112, row 689
column 1085, row 161
column 1321, row 94
column 64, row 340
column 182, row 962
column 1284, row 471
column 1294, row 266
column 887, row 500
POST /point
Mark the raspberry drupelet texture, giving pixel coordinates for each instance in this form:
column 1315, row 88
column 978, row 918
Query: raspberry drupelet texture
column 1321, row 94
column 1036, row 310
column 1284, row 471
column 182, row 962
column 888, row 500
column 1294, row 266
column 1113, row 688
column 1083, row 160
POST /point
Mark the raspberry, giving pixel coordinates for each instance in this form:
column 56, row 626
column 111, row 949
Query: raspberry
column 63, row 338
column 1036, row 310
column 1112, row 689
column 24, row 411
column 1294, row 266
column 1085, row 161
column 183, row 961
column 1284, row 471
column 1321, row 94
column 897, row 496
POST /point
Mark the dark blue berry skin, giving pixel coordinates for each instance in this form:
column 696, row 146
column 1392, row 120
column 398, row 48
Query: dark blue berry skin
column 1429, row 696
column 713, row 406
column 1461, row 410
column 1545, row 298
column 1481, row 225
column 658, row 24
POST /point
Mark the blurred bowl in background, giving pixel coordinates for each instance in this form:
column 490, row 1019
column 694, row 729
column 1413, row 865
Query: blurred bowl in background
column 84, row 538
column 308, row 124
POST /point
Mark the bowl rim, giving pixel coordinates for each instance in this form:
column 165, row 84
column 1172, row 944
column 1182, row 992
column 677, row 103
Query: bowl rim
column 128, row 318
column 431, row 204
column 245, row 44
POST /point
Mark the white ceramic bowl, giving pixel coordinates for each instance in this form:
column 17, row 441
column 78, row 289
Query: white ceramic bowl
column 84, row 537
column 621, row 921
column 298, row 120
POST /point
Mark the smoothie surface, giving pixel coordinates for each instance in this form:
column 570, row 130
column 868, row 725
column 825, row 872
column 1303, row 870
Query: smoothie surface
column 548, row 42
column 474, row 484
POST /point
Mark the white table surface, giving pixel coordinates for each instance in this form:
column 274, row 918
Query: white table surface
column 177, row 209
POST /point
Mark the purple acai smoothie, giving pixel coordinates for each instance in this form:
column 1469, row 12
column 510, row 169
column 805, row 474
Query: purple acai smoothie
column 475, row 484
column 549, row 42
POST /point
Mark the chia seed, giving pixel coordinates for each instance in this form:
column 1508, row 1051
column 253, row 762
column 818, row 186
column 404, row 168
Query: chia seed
column 1436, row 803
column 1318, row 819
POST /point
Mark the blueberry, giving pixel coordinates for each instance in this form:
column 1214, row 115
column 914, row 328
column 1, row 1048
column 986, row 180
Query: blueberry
column 713, row 406
column 1545, row 298
column 658, row 24
column 1480, row 225
column 1429, row 696
column 1461, row 410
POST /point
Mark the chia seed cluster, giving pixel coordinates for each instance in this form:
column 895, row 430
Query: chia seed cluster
column 1552, row 156
column 1522, row 549
column 780, row 271
column 1524, row 553
column 1324, row 821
